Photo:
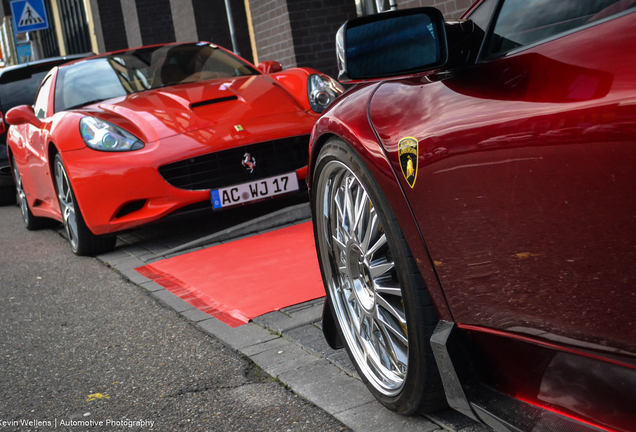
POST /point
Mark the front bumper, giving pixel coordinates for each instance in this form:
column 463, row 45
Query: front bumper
column 119, row 191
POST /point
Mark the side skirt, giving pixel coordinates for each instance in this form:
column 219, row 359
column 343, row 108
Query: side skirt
column 486, row 405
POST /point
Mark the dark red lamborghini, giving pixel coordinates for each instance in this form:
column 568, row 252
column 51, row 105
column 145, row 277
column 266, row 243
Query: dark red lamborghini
column 474, row 202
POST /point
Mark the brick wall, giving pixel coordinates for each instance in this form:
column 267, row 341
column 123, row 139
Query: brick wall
column 450, row 8
column 111, row 17
column 302, row 32
column 272, row 31
column 314, row 24
column 212, row 24
column 155, row 21
column 183, row 21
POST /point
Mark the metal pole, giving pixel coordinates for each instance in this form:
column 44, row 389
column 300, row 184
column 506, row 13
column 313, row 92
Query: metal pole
column 10, row 51
column 40, row 44
column 35, row 48
column 230, row 22
column 393, row 5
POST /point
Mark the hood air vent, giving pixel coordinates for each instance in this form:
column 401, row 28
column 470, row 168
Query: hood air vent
column 212, row 101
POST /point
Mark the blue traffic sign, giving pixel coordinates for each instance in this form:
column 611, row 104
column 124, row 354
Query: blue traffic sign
column 29, row 15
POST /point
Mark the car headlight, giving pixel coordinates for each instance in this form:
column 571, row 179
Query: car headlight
column 101, row 135
column 322, row 91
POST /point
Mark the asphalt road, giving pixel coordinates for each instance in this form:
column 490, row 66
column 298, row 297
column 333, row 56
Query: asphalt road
column 80, row 345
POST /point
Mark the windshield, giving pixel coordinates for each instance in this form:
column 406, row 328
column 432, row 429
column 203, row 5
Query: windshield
column 138, row 70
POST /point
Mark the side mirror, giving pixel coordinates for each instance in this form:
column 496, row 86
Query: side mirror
column 391, row 44
column 22, row 114
column 268, row 67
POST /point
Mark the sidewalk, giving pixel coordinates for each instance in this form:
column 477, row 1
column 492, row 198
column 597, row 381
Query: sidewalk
column 288, row 344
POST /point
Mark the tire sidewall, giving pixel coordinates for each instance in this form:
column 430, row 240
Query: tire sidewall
column 30, row 222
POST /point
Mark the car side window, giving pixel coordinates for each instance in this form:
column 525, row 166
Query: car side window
column 42, row 99
column 523, row 22
column 482, row 14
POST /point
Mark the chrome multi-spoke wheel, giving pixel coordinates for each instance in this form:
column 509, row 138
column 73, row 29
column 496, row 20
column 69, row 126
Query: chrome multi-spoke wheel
column 364, row 286
column 67, row 204
column 82, row 240
column 22, row 199
column 31, row 222
column 382, row 309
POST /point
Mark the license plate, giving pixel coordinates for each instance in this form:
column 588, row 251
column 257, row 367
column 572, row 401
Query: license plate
column 255, row 190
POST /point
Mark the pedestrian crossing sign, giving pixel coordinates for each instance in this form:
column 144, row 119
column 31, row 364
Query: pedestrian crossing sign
column 29, row 15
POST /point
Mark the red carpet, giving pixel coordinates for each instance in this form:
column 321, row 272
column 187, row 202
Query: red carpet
column 243, row 279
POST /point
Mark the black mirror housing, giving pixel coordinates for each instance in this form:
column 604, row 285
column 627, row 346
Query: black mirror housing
column 391, row 44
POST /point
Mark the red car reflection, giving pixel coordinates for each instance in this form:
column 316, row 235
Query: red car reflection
column 474, row 201
column 122, row 139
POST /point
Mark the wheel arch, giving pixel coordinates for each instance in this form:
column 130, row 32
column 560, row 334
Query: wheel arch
column 10, row 157
column 350, row 123
column 51, row 151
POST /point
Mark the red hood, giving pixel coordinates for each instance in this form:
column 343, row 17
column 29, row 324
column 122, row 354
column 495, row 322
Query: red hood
column 169, row 111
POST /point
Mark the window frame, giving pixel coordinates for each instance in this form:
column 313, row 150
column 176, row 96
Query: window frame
column 482, row 57
column 46, row 82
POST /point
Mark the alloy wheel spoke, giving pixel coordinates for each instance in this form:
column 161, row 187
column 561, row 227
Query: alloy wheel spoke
column 341, row 246
column 348, row 206
column 389, row 347
column 391, row 328
column 67, row 207
column 358, row 331
column 376, row 246
column 21, row 195
column 380, row 269
column 380, row 289
column 370, row 229
column 360, row 206
column 398, row 315
column 340, row 216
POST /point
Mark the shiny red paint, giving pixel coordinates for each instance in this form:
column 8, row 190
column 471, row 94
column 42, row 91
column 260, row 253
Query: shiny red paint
column 270, row 67
column 268, row 107
column 522, row 216
column 347, row 119
column 525, row 190
column 23, row 114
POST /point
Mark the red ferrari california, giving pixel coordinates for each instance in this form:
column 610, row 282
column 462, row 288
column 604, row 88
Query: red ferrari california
column 474, row 206
column 122, row 139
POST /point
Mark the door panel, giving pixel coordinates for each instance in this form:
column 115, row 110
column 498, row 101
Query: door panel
column 526, row 188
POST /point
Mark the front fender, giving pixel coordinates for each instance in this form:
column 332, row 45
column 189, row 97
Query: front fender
column 348, row 119
column 294, row 82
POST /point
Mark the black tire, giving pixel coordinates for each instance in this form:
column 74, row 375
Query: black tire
column 83, row 242
column 7, row 195
column 31, row 222
column 375, row 283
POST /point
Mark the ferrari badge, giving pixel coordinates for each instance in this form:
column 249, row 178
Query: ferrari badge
column 239, row 128
column 407, row 153
column 249, row 162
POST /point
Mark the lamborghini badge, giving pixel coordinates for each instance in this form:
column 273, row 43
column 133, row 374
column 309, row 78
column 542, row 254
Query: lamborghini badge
column 407, row 153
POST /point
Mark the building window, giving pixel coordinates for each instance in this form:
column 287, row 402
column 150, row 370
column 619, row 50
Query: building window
column 368, row 7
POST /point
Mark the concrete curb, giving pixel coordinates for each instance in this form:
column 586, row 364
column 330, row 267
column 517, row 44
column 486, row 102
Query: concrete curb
column 300, row 212
column 287, row 344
